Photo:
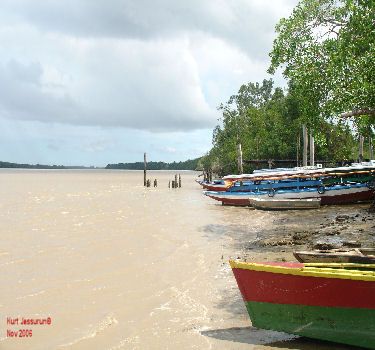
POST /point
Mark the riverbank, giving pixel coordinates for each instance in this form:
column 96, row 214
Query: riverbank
column 329, row 227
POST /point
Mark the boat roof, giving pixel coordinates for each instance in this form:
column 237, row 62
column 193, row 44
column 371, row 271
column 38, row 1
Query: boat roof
column 316, row 171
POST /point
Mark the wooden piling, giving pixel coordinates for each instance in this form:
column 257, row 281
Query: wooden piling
column 370, row 148
column 312, row 150
column 298, row 148
column 155, row 183
column 144, row 169
column 179, row 180
column 305, row 144
column 240, row 163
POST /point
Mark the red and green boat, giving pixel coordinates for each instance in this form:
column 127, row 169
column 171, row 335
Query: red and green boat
column 334, row 302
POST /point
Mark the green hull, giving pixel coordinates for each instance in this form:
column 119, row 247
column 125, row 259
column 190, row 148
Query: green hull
column 351, row 326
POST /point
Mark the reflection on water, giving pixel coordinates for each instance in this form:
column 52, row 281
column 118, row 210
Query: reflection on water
column 119, row 266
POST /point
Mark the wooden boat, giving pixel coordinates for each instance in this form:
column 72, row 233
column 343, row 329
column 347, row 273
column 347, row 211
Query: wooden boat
column 333, row 302
column 216, row 185
column 349, row 255
column 285, row 204
column 334, row 194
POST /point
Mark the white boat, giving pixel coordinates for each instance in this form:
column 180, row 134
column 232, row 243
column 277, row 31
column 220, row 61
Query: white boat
column 285, row 204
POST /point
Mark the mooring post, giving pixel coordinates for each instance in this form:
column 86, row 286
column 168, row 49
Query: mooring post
column 144, row 169
column 155, row 183
column 361, row 139
column 370, row 147
column 179, row 180
column 312, row 150
column 305, row 144
column 175, row 181
column 240, row 164
column 169, row 184
column 298, row 147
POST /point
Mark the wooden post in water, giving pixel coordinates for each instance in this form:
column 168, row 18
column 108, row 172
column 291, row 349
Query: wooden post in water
column 144, row 169
column 312, row 150
column 305, row 144
column 370, row 147
column 361, row 139
column 240, row 164
column 169, row 184
column 155, row 183
column 179, row 180
column 175, row 181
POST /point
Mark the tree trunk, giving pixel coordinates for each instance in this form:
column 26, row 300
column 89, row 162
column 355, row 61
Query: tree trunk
column 240, row 164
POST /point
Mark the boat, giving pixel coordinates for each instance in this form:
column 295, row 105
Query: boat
column 342, row 255
column 290, row 189
column 285, row 204
column 285, row 188
column 333, row 302
column 216, row 185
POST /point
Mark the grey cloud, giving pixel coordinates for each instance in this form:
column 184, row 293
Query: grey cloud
column 244, row 23
column 127, row 63
column 108, row 103
column 21, row 93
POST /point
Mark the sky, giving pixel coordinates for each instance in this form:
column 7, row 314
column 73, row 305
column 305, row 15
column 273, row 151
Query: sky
column 86, row 82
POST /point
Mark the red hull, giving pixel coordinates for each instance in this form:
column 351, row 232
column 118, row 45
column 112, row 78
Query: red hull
column 231, row 201
column 212, row 187
column 348, row 198
column 263, row 286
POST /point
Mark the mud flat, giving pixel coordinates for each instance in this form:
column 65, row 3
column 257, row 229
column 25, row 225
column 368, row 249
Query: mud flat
column 326, row 228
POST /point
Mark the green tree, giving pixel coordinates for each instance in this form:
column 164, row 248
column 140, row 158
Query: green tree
column 327, row 49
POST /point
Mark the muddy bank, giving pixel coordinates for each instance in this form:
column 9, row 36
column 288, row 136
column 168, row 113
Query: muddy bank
column 326, row 228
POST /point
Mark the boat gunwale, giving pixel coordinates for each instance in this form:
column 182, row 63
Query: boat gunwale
column 322, row 270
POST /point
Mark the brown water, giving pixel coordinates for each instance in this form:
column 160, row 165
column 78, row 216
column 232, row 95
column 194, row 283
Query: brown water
column 119, row 266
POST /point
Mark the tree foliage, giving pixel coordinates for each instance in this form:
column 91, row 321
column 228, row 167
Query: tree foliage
column 268, row 123
column 327, row 49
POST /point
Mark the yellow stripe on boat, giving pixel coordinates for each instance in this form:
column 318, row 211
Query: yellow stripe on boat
column 332, row 271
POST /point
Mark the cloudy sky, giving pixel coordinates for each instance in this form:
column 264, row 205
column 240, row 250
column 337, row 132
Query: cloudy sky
column 92, row 82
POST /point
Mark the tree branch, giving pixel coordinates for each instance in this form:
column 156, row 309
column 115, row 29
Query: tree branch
column 358, row 112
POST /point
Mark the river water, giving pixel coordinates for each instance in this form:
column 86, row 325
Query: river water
column 113, row 265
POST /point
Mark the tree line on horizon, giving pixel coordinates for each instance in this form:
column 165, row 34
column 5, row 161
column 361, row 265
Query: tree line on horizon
column 190, row 164
column 326, row 49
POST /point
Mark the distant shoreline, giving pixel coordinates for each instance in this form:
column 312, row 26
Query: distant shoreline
column 186, row 165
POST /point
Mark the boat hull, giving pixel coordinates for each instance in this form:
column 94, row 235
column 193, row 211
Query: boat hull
column 332, row 195
column 347, row 195
column 325, row 323
column 285, row 204
column 213, row 187
column 358, row 256
column 328, row 306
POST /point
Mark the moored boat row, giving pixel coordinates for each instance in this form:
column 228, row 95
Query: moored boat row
column 332, row 186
